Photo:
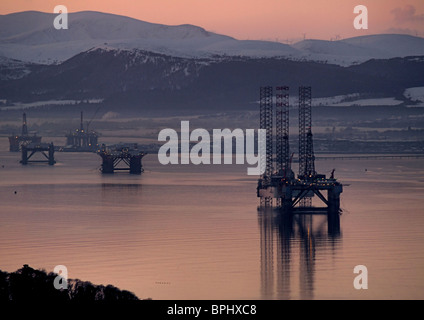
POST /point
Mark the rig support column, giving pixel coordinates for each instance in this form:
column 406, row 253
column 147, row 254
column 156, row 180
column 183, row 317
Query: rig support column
column 24, row 159
column 282, row 129
column 334, row 199
column 135, row 165
column 306, row 153
column 51, row 155
column 287, row 198
column 266, row 122
column 282, row 134
column 107, row 164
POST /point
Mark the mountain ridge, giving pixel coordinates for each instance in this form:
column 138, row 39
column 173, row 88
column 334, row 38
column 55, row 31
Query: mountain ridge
column 30, row 36
column 152, row 82
column 124, row 63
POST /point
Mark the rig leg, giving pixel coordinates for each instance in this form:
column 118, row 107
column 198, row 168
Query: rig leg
column 107, row 165
column 52, row 161
column 334, row 200
column 135, row 165
column 24, row 160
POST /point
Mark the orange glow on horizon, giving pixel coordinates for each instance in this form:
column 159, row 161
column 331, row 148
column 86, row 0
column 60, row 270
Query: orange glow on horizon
column 255, row 19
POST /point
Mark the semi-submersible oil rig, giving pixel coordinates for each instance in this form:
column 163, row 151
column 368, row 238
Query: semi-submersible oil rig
column 81, row 140
column 17, row 141
column 278, row 186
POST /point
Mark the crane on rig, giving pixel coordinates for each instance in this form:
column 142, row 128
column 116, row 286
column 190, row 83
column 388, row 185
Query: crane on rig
column 92, row 118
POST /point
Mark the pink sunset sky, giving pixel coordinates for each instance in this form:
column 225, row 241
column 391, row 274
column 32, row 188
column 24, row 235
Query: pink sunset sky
column 280, row 20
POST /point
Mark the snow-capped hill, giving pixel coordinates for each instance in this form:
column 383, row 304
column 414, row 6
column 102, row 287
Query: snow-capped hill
column 393, row 45
column 13, row 69
column 103, row 26
column 19, row 24
column 361, row 49
column 337, row 48
column 336, row 52
column 31, row 37
column 252, row 48
column 186, row 31
column 36, row 28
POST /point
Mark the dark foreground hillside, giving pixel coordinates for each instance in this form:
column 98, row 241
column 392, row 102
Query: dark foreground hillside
column 29, row 285
column 161, row 85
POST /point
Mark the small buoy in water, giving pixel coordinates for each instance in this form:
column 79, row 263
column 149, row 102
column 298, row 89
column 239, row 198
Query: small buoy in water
column 16, row 192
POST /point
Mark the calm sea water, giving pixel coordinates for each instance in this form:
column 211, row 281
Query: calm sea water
column 194, row 232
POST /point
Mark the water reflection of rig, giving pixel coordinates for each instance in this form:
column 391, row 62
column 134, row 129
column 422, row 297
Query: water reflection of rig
column 17, row 141
column 278, row 186
column 291, row 248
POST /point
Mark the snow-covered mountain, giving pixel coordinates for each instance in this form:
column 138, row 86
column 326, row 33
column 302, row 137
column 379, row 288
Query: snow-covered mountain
column 13, row 69
column 30, row 36
column 360, row 49
column 126, row 63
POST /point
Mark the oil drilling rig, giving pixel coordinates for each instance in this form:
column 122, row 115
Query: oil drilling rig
column 82, row 140
column 278, row 186
column 128, row 155
column 17, row 141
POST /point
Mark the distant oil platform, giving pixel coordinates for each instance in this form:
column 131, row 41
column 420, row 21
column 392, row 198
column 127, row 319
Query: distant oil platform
column 17, row 141
column 278, row 186
column 81, row 140
column 115, row 158
column 45, row 149
column 121, row 157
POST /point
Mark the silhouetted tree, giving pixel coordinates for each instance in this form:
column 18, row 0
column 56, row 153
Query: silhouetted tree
column 28, row 284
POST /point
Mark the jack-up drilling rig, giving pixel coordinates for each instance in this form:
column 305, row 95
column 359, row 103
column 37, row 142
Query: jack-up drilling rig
column 278, row 185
